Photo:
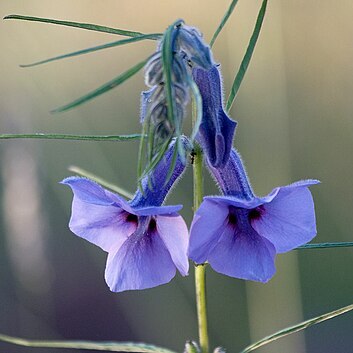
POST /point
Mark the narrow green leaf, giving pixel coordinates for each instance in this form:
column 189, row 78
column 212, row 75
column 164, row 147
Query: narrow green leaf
column 99, row 180
column 296, row 328
column 197, row 109
column 104, row 88
column 157, row 158
column 174, row 160
column 71, row 137
column 223, row 21
column 92, row 49
column 156, row 151
column 99, row 346
column 88, row 26
column 181, row 150
column 326, row 245
column 140, row 157
column 247, row 57
column 167, row 58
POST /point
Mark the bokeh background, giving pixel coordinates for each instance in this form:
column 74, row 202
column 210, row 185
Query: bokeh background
column 295, row 114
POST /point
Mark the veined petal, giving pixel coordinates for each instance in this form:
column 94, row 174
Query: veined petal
column 96, row 217
column 288, row 220
column 244, row 255
column 140, row 263
column 206, row 228
column 174, row 233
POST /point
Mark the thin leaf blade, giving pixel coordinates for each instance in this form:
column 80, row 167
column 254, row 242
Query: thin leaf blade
column 247, row 57
column 103, row 89
column 326, row 245
column 101, row 181
column 87, row 26
column 296, row 328
column 91, row 49
column 223, row 21
column 197, row 109
column 43, row 136
column 99, row 346
column 167, row 59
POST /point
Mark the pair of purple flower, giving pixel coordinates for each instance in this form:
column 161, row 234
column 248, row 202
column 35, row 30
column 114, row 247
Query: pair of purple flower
column 238, row 233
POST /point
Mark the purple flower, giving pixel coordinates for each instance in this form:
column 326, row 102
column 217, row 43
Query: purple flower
column 217, row 129
column 190, row 41
column 239, row 234
column 146, row 242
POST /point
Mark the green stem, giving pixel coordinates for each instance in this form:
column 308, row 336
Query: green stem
column 71, row 137
column 200, row 271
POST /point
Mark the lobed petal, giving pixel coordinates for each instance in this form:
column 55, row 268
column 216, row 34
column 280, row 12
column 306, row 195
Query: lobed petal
column 174, row 233
column 96, row 216
column 244, row 255
column 206, row 229
column 140, row 263
column 88, row 191
column 288, row 220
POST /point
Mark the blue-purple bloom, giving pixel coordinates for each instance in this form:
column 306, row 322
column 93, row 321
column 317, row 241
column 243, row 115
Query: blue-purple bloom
column 239, row 234
column 198, row 53
column 146, row 242
column 217, row 129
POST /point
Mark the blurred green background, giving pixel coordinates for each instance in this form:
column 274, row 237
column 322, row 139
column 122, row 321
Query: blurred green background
column 295, row 114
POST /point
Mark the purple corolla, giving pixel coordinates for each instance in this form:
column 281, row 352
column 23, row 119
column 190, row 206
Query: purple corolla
column 146, row 242
column 217, row 129
column 239, row 234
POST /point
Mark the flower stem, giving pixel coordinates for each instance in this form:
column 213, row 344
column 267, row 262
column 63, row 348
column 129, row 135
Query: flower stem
column 200, row 271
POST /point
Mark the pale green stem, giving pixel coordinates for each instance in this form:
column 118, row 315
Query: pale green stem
column 200, row 275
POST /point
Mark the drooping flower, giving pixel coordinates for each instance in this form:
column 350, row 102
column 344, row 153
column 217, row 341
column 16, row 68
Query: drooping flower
column 146, row 242
column 189, row 41
column 188, row 51
column 217, row 129
column 239, row 234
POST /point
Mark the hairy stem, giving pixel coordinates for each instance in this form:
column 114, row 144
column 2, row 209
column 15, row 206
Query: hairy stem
column 200, row 275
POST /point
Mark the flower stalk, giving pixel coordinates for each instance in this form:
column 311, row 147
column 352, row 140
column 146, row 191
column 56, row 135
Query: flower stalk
column 200, row 270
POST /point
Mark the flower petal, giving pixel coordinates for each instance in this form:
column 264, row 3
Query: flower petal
column 206, row 229
column 243, row 255
column 140, row 263
column 174, row 233
column 88, row 191
column 95, row 217
column 158, row 210
column 217, row 129
column 288, row 220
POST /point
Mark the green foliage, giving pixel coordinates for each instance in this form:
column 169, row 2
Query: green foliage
column 223, row 21
column 167, row 59
column 101, row 181
column 156, row 152
column 247, row 57
column 43, row 136
column 196, row 109
column 326, row 245
column 296, row 328
column 98, row 346
column 104, row 88
column 88, row 26
column 93, row 49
